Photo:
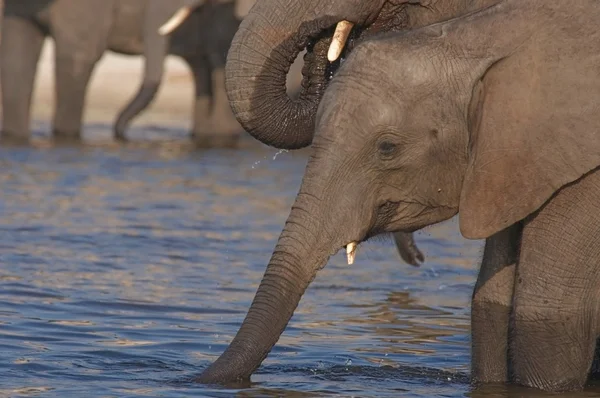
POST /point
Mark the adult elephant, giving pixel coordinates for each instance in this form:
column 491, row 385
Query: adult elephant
column 201, row 34
column 82, row 31
column 491, row 115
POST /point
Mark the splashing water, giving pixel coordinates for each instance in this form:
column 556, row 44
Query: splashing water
column 279, row 152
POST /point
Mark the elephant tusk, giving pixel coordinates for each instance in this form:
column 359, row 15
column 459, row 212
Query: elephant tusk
column 176, row 20
column 351, row 252
column 342, row 31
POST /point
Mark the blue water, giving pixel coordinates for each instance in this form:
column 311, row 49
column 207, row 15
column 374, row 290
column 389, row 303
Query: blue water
column 126, row 270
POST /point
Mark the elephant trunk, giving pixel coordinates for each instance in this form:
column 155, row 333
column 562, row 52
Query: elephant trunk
column 258, row 61
column 155, row 51
column 303, row 248
column 143, row 98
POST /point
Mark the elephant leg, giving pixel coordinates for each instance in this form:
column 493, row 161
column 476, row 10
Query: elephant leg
column 80, row 30
column 213, row 118
column 72, row 76
column 20, row 51
column 203, row 94
column 491, row 306
column 555, row 305
column 226, row 130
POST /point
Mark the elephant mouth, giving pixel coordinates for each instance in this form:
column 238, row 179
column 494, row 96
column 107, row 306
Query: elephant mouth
column 344, row 36
column 381, row 217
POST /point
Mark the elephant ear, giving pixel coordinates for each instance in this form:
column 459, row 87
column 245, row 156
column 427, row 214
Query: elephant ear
column 534, row 127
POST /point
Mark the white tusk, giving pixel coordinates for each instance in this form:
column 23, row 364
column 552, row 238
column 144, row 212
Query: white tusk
column 351, row 252
column 342, row 31
column 176, row 20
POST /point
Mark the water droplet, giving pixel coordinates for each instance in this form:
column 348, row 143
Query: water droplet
column 279, row 152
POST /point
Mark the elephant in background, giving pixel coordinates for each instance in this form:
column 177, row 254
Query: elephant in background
column 491, row 115
column 201, row 33
column 84, row 29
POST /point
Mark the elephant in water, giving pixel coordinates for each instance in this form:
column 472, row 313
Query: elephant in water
column 492, row 115
column 84, row 29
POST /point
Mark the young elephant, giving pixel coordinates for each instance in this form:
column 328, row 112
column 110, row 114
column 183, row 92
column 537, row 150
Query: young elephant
column 494, row 116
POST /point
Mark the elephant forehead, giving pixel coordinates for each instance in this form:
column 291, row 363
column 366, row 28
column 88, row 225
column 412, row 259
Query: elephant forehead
column 353, row 110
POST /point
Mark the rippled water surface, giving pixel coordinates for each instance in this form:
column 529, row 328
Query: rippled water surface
column 126, row 270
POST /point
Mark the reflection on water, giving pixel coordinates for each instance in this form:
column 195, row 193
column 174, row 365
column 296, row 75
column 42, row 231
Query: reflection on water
column 127, row 270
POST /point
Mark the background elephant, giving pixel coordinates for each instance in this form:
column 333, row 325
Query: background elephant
column 492, row 115
column 83, row 29
column 202, row 39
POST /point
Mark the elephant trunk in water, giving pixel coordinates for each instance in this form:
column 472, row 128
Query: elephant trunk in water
column 303, row 248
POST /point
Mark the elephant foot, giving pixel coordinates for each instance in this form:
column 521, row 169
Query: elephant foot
column 121, row 138
column 68, row 139
column 8, row 139
column 217, row 132
column 225, row 141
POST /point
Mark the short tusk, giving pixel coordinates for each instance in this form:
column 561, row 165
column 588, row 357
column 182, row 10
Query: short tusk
column 176, row 20
column 342, row 31
column 351, row 252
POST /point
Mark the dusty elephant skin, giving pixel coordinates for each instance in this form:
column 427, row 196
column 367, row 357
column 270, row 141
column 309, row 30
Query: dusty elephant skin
column 492, row 115
column 84, row 29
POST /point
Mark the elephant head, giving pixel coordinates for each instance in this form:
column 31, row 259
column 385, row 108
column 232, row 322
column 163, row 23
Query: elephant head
column 274, row 32
column 490, row 114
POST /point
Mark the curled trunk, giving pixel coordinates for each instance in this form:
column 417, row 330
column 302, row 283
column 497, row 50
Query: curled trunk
column 267, row 43
column 257, row 65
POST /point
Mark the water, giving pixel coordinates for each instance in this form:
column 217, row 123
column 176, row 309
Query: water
column 126, row 270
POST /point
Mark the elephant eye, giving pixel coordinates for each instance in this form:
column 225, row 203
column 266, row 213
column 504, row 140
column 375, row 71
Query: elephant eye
column 386, row 148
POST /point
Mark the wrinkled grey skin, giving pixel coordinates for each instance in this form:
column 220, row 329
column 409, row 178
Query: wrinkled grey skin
column 267, row 43
column 492, row 116
column 83, row 30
